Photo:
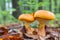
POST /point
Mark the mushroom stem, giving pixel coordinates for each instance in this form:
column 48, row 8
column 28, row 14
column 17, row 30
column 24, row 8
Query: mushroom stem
column 41, row 27
column 28, row 28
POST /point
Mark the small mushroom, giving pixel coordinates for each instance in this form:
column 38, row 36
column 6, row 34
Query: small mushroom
column 43, row 17
column 27, row 19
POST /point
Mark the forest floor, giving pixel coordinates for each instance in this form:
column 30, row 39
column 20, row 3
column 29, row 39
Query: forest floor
column 52, row 33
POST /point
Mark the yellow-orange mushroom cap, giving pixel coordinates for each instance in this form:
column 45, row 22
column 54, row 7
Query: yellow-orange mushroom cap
column 43, row 14
column 26, row 17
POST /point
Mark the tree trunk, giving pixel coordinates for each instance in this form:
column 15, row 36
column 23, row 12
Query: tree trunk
column 55, row 6
column 2, row 4
column 16, row 6
column 40, row 6
column 50, row 5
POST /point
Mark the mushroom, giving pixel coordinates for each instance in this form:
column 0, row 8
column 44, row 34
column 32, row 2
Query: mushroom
column 43, row 17
column 27, row 19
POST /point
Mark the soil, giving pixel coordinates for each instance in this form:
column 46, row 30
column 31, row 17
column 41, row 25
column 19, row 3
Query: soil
column 52, row 33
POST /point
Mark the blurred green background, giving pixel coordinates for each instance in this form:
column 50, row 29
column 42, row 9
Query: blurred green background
column 11, row 9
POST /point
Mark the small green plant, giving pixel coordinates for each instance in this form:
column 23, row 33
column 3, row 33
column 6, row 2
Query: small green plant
column 6, row 17
column 28, row 6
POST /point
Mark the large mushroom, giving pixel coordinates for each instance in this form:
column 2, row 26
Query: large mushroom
column 43, row 17
column 27, row 19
